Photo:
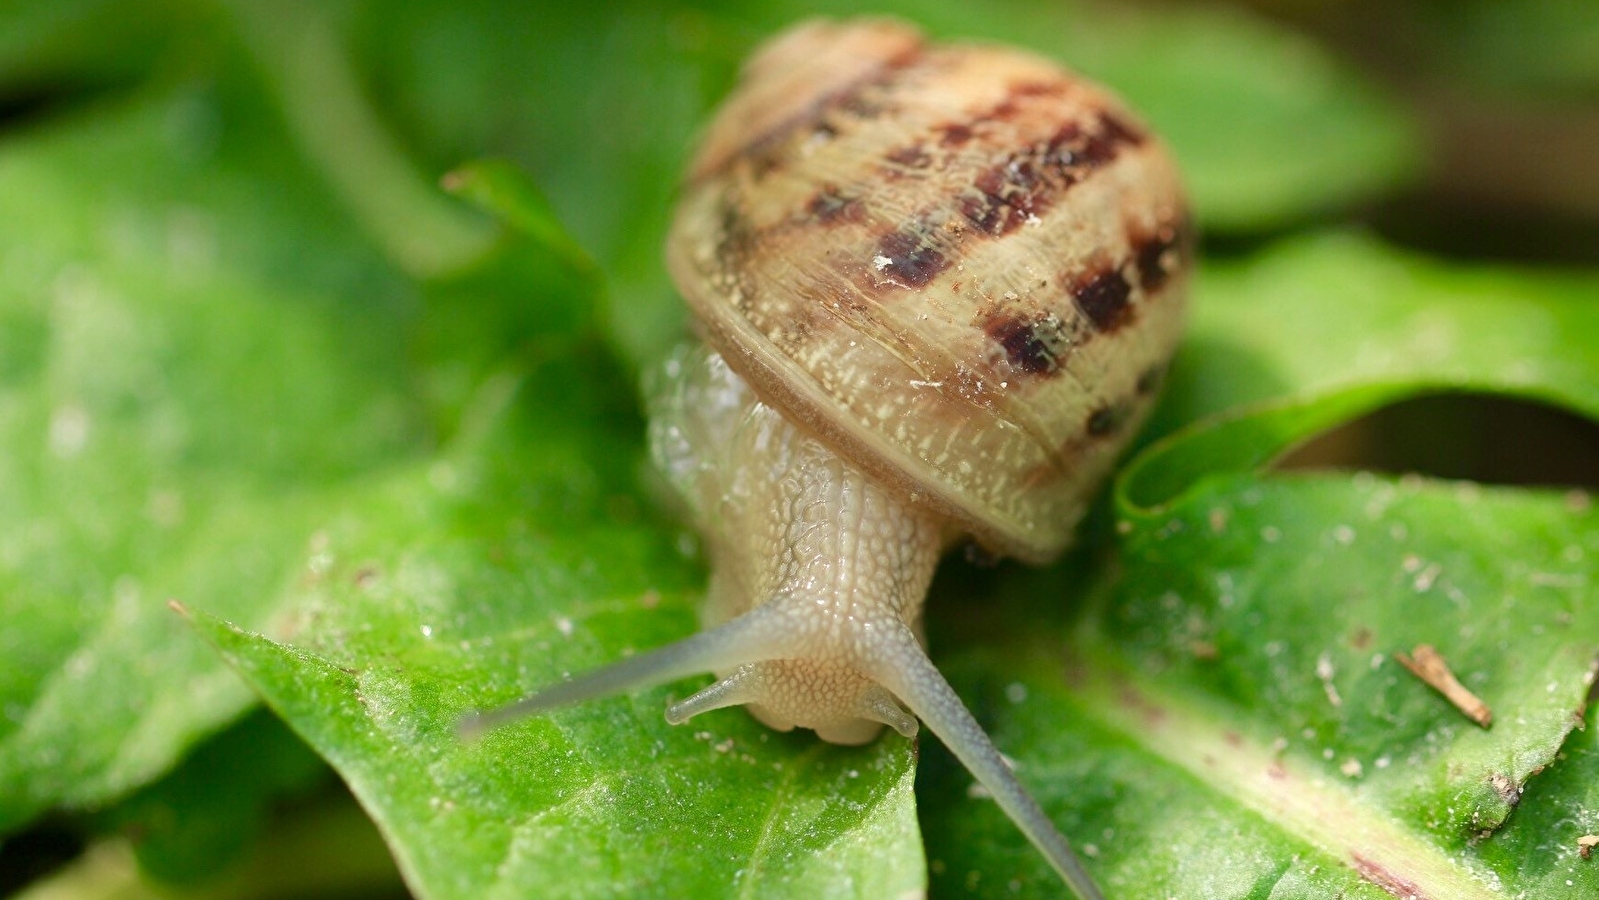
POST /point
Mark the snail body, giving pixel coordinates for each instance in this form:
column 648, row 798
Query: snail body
column 937, row 288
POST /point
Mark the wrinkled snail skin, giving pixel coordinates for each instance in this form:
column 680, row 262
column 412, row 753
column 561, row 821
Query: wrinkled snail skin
column 938, row 287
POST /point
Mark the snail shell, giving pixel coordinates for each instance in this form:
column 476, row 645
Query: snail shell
column 938, row 286
column 959, row 266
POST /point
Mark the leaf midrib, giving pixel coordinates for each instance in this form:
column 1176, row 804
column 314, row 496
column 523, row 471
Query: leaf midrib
column 780, row 799
column 1302, row 803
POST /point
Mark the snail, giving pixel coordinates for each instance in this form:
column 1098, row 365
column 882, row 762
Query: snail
column 937, row 287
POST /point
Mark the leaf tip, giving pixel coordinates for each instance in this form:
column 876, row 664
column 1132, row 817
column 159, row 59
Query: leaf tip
column 178, row 607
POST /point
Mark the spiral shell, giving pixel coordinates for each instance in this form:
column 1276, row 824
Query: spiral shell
column 960, row 266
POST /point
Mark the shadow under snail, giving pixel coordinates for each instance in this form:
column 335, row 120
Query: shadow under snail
column 937, row 287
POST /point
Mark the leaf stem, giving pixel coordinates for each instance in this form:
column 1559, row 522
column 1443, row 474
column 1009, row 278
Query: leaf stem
column 300, row 55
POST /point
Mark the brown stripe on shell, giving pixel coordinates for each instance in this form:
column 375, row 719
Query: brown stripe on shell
column 1010, row 105
column 829, row 205
column 736, row 237
column 1109, row 419
column 1149, row 379
column 1103, row 297
column 1052, row 88
column 1029, row 182
column 908, row 257
column 1113, row 133
column 954, row 134
column 1003, row 197
column 765, row 150
column 1162, row 253
column 1020, row 188
column 1006, row 196
column 736, row 241
column 1034, row 345
column 914, row 156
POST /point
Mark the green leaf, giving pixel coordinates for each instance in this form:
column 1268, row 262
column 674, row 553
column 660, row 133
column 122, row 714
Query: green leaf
column 1540, row 48
column 1556, row 808
column 499, row 187
column 204, row 816
column 327, row 848
column 193, row 369
column 574, row 809
column 87, row 45
column 517, row 556
column 1322, row 330
column 424, row 491
column 489, row 574
column 1231, row 717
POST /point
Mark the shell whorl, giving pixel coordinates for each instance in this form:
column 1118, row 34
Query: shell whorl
column 960, row 266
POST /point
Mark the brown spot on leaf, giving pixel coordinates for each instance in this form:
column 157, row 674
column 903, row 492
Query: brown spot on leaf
column 1505, row 788
column 1427, row 664
column 1388, row 880
column 1152, row 713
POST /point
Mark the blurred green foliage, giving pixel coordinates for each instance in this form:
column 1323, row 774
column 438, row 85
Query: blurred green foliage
column 381, row 443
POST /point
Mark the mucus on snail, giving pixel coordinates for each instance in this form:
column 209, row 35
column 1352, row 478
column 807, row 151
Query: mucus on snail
column 937, row 286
